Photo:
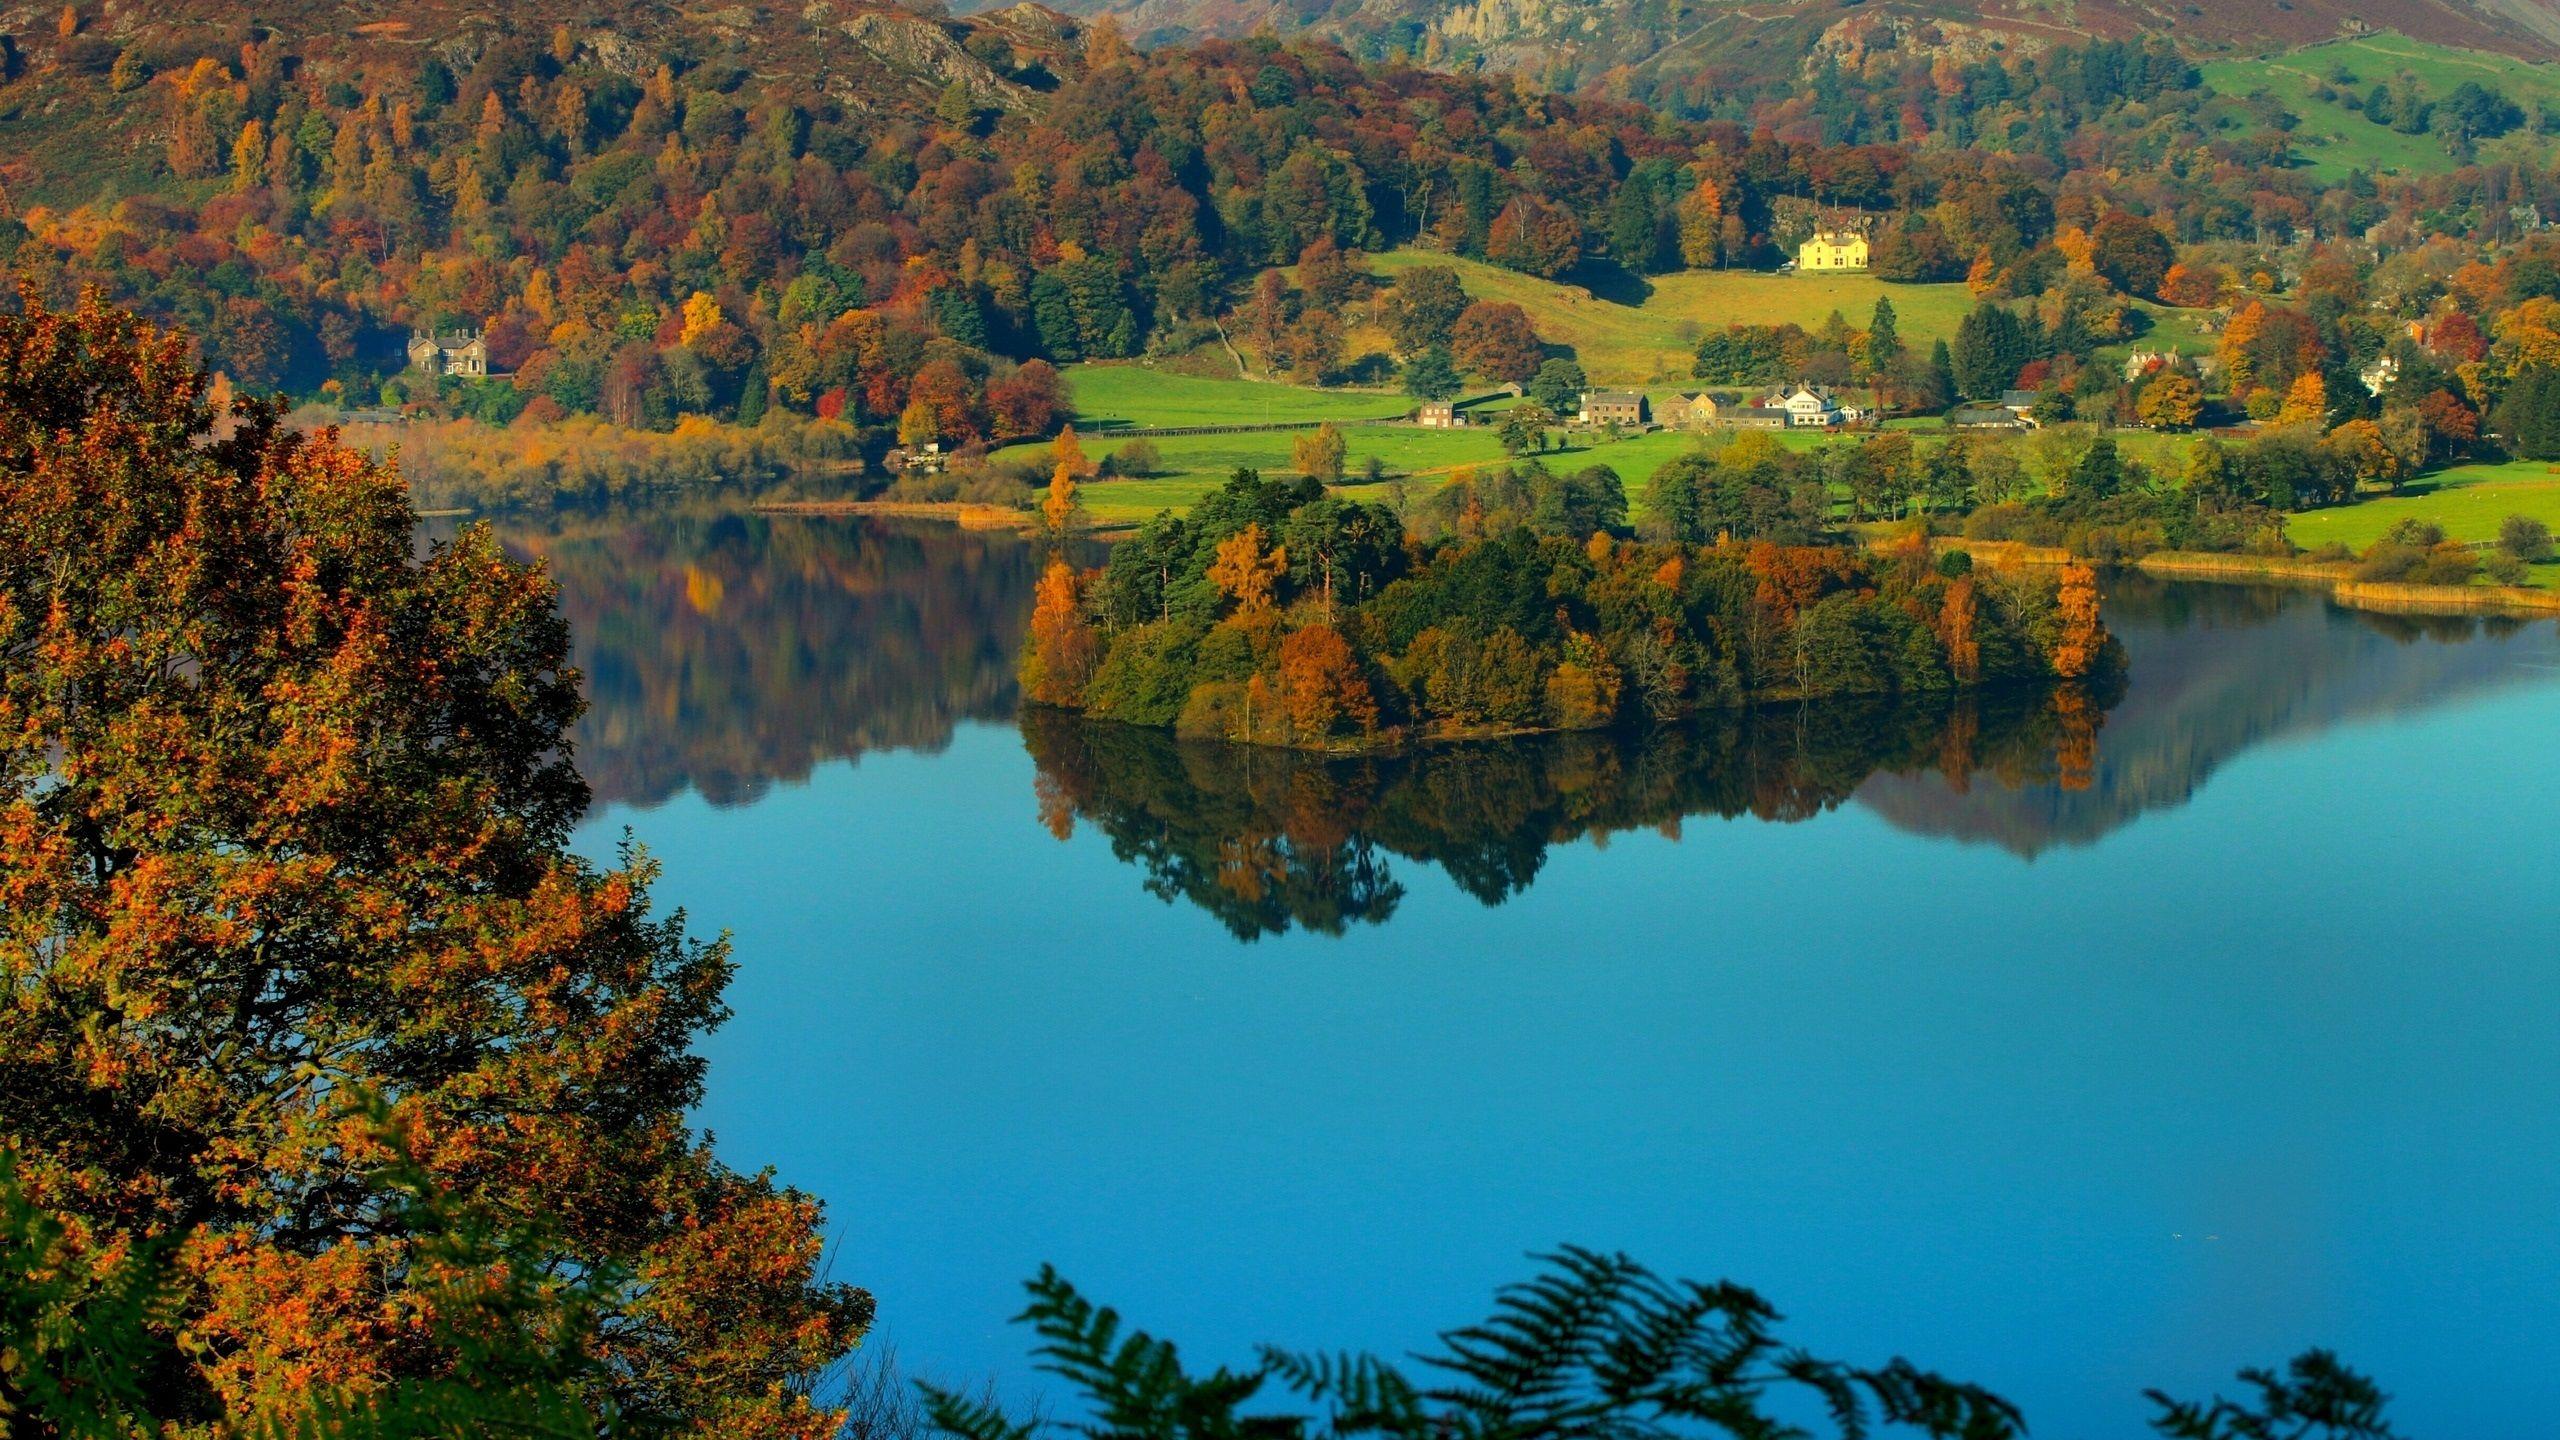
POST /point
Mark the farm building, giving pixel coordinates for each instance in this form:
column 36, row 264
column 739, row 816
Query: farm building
column 1697, row 409
column 1832, row 251
column 1988, row 417
column 1440, row 415
column 1611, row 407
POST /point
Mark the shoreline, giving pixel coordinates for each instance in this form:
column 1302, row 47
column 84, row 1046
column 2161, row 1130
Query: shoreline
column 967, row 514
column 1402, row 742
column 2337, row 577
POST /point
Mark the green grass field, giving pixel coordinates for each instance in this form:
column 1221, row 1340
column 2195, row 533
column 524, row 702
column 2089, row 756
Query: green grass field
column 1116, row 396
column 1190, row 466
column 2469, row 501
column 1193, row 465
column 2179, row 331
column 1654, row 344
column 2332, row 139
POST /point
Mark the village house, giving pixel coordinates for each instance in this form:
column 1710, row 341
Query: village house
column 1440, row 415
column 463, row 352
column 2143, row 362
column 1832, row 251
column 1611, row 407
column 1697, row 409
column 2377, row 377
column 1811, row 405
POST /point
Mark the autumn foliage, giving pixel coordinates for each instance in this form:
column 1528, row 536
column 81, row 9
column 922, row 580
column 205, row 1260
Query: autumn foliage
column 1538, row 613
column 1060, row 653
column 2083, row 639
column 1321, row 681
column 284, row 811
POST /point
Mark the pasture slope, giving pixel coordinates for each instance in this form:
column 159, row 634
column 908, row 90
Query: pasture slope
column 1654, row 343
column 1119, row 397
column 2333, row 139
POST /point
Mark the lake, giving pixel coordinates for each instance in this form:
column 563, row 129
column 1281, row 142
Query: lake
column 2067, row 1052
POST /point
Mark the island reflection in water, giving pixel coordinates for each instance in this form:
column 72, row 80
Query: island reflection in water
column 729, row 651
column 1267, row 840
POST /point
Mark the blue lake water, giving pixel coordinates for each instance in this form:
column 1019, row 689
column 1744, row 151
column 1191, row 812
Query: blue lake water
column 2070, row 1073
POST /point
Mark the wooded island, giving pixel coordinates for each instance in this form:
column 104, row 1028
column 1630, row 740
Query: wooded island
column 1273, row 613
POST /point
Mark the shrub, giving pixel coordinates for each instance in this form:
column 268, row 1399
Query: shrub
column 1135, row 460
column 2419, row 534
column 2394, row 559
column 2525, row 538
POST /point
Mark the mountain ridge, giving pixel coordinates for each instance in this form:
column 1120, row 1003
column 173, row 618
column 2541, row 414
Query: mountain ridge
column 1633, row 47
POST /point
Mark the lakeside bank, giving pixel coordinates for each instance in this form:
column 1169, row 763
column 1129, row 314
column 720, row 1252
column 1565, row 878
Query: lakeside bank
column 2338, row 577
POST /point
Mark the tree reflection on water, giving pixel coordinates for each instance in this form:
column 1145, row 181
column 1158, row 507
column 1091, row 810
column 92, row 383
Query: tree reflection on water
column 1273, row 840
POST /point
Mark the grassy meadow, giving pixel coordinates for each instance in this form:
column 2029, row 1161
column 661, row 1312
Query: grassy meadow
column 1654, row 344
column 2332, row 139
column 1190, row 466
column 1110, row 397
column 2468, row 501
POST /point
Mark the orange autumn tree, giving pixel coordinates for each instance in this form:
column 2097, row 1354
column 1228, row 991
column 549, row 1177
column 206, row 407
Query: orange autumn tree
column 2083, row 639
column 1956, row 627
column 1062, row 512
column 1246, row 573
column 1068, row 453
column 1700, row 217
column 284, row 819
column 1321, row 683
column 1064, row 648
column 2306, row 402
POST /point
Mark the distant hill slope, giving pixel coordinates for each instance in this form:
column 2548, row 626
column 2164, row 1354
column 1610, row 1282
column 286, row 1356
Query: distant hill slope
column 2323, row 88
column 1622, row 44
column 83, row 116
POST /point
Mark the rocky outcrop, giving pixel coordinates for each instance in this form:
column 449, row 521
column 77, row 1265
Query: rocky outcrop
column 923, row 50
column 1889, row 38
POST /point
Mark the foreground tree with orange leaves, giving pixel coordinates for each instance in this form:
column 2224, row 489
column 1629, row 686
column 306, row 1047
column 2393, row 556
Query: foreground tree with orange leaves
column 284, row 814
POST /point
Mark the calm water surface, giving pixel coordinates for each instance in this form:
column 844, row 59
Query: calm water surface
column 2067, row 1056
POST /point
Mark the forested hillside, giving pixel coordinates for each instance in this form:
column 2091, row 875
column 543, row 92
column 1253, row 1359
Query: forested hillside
column 868, row 214
column 866, row 226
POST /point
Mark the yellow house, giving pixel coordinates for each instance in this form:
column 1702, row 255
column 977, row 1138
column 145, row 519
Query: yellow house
column 1833, row 250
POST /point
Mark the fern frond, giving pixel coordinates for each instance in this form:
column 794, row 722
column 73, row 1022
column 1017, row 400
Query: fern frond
column 1367, row 1395
column 966, row 1419
column 2317, row 1396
